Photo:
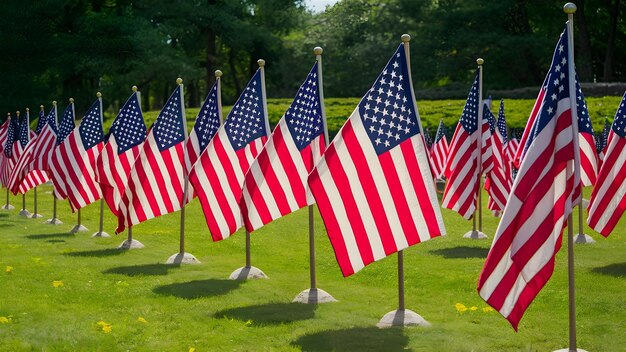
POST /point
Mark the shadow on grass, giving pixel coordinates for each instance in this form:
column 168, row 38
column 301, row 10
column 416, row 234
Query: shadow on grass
column 461, row 252
column 6, row 225
column 354, row 339
column 616, row 269
column 197, row 288
column 4, row 215
column 50, row 235
column 97, row 253
column 55, row 241
column 271, row 313
column 145, row 269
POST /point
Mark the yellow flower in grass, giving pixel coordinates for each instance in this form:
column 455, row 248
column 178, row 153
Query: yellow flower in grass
column 5, row 320
column 460, row 307
column 106, row 327
column 57, row 283
column 191, row 349
column 9, row 269
column 473, row 308
column 487, row 309
column 142, row 320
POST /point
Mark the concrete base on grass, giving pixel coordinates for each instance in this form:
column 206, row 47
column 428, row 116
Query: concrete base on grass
column 35, row 216
column 247, row 273
column 404, row 317
column 54, row 221
column 182, row 258
column 475, row 235
column 314, row 296
column 7, row 207
column 101, row 234
column 78, row 228
column 583, row 239
column 134, row 244
column 25, row 213
column 568, row 350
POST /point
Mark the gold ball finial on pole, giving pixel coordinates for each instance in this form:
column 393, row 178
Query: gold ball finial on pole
column 405, row 38
column 27, row 109
column 41, row 107
column 134, row 88
column 218, row 73
column 261, row 62
column 99, row 95
column 480, row 61
column 179, row 81
column 318, row 50
column 569, row 8
column 71, row 100
column 54, row 102
column 17, row 113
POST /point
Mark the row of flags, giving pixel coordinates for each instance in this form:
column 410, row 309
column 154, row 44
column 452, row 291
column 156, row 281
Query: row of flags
column 373, row 183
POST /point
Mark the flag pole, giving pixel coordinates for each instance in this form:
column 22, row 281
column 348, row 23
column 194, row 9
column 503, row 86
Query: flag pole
column 36, row 215
column 130, row 243
column 7, row 205
column 582, row 237
column 570, row 9
column 477, row 233
column 249, row 271
column 54, row 220
column 403, row 316
column 101, row 232
column 315, row 295
column 79, row 226
column 183, row 257
column 24, row 212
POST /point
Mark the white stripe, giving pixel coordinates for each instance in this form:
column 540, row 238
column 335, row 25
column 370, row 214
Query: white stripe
column 610, row 180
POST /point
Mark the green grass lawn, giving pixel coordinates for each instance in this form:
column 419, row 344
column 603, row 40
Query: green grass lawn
column 197, row 307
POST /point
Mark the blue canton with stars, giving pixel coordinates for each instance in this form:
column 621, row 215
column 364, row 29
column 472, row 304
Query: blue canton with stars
column 41, row 122
column 90, row 128
column 67, row 124
column 304, row 116
column 428, row 137
column 487, row 114
column 169, row 127
column 502, row 122
column 11, row 134
column 584, row 123
column 208, row 119
column 441, row 132
column 388, row 110
column 556, row 87
column 51, row 120
column 128, row 128
column 24, row 132
column 619, row 124
column 604, row 140
column 469, row 117
column 246, row 121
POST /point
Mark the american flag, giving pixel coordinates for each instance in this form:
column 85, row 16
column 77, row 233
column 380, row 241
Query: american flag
column 73, row 164
column 588, row 154
column 126, row 135
column 373, row 185
column 22, row 179
column 603, row 143
column 218, row 175
column 462, row 164
column 206, row 125
column 12, row 149
column 276, row 183
column 439, row 152
column 3, row 133
column 499, row 180
column 489, row 129
column 608, row 199
column 521, row 258
column 428, row 138
column 155, row 183
column 66, row 126
column 45, row 143
column 510, row 149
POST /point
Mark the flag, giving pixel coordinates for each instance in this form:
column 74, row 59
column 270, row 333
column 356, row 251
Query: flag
column 489, row 129
column 73, row 164
column 499, row 180
column 66, row 126
column 510, row 149
column 439, row 152
column 22, row 179
column 126, row 135
column 521, row 258
column 155, row 183
column 428, row 138
column 373, row 185
column 603, row 143
column 588, row 154
column 205, row 127
column 45, row 142
column 276, row 184
column 462, row 165
column 12, row 149
column 608, row 199
column 3, row 133
column 218, row 175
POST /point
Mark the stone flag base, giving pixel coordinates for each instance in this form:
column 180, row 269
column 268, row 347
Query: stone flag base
column 7, row 207
column 314, row 296
column 25, row 213
column 182, row 258
column 405, row 317
column 101, row 234
column 54, row 221
column 475, row 235
column 568, row 350
column 583, row 238
column 78, row 228
column 36, row 216
column 133, row 244
column 247, row 273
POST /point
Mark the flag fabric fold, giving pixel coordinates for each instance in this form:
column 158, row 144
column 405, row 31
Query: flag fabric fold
column 44, row 143
column 155, row 182
column 373, row 185
column 276, row 184
column 11, row 151
column 499, row 180
column 586, row 138
column 439, row 152
column 218, row 174
column 547, row 186
column 22, row 179
column 66, row 126
column 608, row 199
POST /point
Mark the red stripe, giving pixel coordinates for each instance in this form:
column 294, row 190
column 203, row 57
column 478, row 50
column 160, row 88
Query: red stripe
column 289, row 166
column 268, row 173
column 257, row 200
column 202, row 191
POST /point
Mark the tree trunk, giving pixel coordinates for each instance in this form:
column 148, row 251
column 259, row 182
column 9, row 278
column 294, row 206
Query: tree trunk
column 607, row 75
column 584, row 66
